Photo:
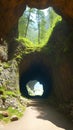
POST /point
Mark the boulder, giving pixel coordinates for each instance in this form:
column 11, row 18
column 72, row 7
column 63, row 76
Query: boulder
column 5, row 114
column 14, row 118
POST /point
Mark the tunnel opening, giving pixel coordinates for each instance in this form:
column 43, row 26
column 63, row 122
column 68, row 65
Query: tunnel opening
column 37, row 75
column 39, row 22
column 35, row 88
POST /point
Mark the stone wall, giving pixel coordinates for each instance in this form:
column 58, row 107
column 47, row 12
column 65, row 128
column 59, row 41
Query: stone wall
column 61, row 54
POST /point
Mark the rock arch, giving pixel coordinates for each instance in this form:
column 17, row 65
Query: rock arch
column 10, row 11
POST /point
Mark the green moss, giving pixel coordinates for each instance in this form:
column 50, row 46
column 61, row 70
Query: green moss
column 6, row 65
column 6, row 119
column 16, row 112
column 10, row 93
column 6, row 93
column 2, row 88
column 1, row 69
column 3, row 97
column 11, row 111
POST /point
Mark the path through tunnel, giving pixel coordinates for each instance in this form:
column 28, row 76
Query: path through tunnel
column 40, row 74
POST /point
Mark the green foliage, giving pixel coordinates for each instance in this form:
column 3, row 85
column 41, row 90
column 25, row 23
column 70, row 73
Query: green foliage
column 38, row 23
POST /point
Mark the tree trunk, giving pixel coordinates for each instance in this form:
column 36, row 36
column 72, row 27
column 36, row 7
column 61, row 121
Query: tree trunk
column 28, row 22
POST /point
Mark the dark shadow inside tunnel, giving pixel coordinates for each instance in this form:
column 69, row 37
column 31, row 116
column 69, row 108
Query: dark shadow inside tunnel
column 38, row 73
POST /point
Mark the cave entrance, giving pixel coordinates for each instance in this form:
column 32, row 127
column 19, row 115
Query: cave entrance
column 39, row 22
column 35, row 88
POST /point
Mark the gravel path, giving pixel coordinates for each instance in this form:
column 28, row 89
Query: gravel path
column 39, row 117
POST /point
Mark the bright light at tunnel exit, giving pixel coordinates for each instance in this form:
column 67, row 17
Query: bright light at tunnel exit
column 38, row 89
column 34, row 88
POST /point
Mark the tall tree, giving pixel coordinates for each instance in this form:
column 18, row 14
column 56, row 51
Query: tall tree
column 24, row 22
column 38, row 23
column 28, row 21
column 43, row 28
column 41, row 22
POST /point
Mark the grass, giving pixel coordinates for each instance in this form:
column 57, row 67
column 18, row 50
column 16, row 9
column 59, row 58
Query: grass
column 11, row 111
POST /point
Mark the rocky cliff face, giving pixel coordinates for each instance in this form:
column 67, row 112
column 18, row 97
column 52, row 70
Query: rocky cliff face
column 10, row 11
column 8, row 83
column 10, row 98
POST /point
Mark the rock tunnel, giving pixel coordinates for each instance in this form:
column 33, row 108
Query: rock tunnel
column 36, row 72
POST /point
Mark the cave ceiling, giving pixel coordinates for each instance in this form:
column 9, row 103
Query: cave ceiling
column 10, row 11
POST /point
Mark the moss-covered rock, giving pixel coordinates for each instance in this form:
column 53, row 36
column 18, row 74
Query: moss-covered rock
column 10, row 97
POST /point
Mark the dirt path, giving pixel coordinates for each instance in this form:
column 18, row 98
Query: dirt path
column 39, row 117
